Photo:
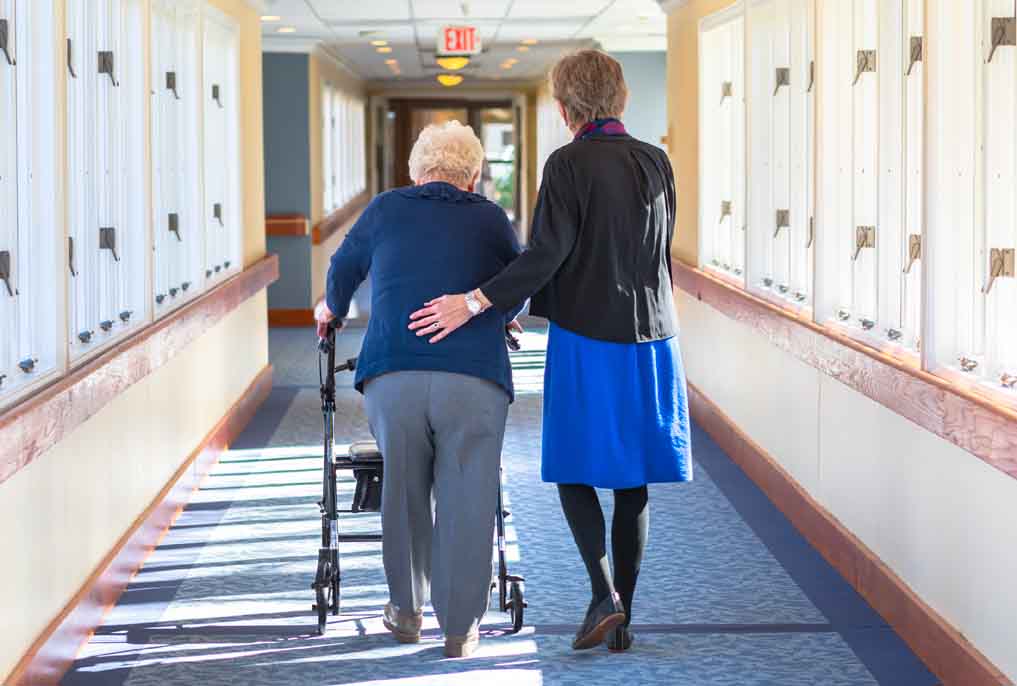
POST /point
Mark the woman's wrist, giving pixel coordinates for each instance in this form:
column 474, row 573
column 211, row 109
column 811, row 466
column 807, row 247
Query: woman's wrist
column 485, row 304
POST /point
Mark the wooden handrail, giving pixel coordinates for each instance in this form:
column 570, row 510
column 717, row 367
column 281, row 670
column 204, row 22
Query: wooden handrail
column 967, row 419
column 44, row 418
column 333, row 222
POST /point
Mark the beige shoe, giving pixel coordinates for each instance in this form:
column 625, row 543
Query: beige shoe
column 405, row 627
column 461, row 646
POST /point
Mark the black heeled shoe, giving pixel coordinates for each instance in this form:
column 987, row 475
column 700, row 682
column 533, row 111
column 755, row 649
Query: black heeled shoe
column 620, row 640
column 599, row 622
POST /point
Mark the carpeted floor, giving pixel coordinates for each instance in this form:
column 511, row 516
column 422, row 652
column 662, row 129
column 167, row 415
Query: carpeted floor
column 730, row 594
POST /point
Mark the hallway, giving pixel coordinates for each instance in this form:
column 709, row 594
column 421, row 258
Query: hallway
column 730, row 594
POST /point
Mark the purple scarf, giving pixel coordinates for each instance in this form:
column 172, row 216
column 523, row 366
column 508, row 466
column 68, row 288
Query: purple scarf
column 605, row 127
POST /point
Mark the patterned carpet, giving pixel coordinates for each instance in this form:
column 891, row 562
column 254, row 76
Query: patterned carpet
column 730, row 594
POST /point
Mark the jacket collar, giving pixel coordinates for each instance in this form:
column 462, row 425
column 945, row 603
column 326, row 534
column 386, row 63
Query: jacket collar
column 439, row 190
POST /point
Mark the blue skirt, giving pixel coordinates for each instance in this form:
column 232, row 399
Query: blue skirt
column 615, row 414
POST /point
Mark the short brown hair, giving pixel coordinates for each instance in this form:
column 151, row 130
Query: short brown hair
column 590, row 85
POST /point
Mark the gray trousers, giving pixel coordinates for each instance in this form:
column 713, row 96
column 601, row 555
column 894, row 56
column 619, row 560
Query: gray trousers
column 441, row 435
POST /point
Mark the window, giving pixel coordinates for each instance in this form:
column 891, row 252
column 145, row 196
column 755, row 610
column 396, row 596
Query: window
column 360, row 146
column 327, row 129
column 780, row 90
column 222, row 211
column 722, row 210
column 871, row 169
column 28, row 216
column 972, row 204
column 106, row 195
column 346, row 164
column 551, row 131
column 176, row 155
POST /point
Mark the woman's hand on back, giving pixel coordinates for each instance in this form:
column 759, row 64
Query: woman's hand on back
column 440, row 317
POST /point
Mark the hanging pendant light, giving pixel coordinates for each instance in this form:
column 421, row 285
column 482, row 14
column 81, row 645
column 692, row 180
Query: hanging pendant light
column 450, row 80
column 453, row 63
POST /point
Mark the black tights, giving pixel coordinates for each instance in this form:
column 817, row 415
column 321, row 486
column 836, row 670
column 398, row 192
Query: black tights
column 628, row 538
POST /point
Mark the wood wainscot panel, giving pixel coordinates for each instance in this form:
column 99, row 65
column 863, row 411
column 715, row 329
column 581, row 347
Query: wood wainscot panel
column 968, row 420
column 335, row 221
column 280, row 317
column 54, row 651
column 41, row 421
column 939, row 645
column 286, row 225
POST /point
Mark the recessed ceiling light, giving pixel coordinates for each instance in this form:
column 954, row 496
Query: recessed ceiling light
column 523, row 48
column 384, row 50
column 390, row 62
column 286, row 29
column 270, row 17
column 530, row 41
column 379, row 43
column 450, row 80
column 453, row 63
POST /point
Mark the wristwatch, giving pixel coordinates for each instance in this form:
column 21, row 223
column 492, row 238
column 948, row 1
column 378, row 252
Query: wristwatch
column 472, row 304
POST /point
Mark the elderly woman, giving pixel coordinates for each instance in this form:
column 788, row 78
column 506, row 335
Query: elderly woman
column 438, row 413
column 598, row 267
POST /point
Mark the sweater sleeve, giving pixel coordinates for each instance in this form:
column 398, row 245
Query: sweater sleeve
column 555, row 230
column 508, row 250
column 350, row 265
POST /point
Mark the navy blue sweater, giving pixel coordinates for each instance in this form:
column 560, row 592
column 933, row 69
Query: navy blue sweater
column 418, row 243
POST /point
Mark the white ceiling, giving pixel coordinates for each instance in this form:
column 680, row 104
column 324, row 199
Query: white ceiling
column 346, row 27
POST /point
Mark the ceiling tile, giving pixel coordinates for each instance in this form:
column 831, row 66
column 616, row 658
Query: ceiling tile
column 551, row 30
column 395, row 34
column 453, row 10
column 348, row 11
column 556, row 8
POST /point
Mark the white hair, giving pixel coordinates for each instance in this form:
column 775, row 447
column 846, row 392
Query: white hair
column 449, row 151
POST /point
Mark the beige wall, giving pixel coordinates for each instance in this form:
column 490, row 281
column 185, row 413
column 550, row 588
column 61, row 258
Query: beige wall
column 941, row 518
column 69, row 507
column 683, row 119
column 84, row 493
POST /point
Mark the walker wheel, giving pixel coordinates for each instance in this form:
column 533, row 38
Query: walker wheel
column 321, row 606
column 336, row 596
column 516, row 606
column 322, row 587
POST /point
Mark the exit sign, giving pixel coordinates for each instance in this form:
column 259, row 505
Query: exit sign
column 458, row 40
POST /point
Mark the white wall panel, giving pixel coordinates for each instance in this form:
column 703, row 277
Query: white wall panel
column 940, row 518
column 972, row 216
column 870, row 166
column 107, row 198
column 178, row 269
column 781, row 91
column 222, row 211
column 780, row 415
column 29, row 229
column 722, row 155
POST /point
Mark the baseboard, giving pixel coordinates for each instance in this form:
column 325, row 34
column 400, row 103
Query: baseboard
column 54, row 651
column 290, row 318
column 951, row 657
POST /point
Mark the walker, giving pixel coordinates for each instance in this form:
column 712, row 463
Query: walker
column 365, row 460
